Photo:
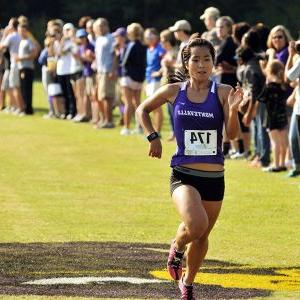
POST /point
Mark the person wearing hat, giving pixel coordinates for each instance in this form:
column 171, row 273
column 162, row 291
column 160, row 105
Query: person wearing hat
column 182, row 31
column 209, row 17
column 63, row 69
column 86, row 54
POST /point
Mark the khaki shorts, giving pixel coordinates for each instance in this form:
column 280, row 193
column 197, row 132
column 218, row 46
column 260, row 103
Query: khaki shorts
column 14, row 77
column 90, row 84
column 105, row 87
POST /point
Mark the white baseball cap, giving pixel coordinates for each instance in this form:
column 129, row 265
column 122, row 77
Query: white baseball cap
column 210, row 12
column 183, row 25
column 68, row 26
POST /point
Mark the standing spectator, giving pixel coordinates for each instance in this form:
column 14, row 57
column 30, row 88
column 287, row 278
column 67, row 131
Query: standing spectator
column 277, row 43
column 83, row 21
column 238, row 31
column 210, row 17
column 168, row 63
column 77, row 79
column 293, row 73
column 4, row 74
column 133, row 62
column 11, row 42
column 87, row 56
column 63, row 70
column 254, row 83
column 25, row 59
column 182, row 32
column 90, row 31
column 155, row 53
column 106, row 70
column 274, row 95
column 225, row 61
column 120, row 45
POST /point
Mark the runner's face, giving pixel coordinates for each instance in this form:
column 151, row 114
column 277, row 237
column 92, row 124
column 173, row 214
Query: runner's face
column 200, row 64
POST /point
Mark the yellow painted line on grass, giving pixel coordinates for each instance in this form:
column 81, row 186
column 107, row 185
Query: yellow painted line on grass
column 282, row 280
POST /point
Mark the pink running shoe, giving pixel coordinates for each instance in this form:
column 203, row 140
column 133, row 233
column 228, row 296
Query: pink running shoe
column 174, row 265
column 186, row 291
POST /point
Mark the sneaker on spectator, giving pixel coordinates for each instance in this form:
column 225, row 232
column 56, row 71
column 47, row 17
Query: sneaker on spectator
column 6, row 110
column 69, row 117
column 16, row 111
column 237, row 155
column 293, row 173
column 107, row 125
column 76, row 118
column 125, row 131
column 21, row 114
column 271, row 169
column 48, row 116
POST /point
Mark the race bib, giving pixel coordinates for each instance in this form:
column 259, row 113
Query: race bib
column 200, row 142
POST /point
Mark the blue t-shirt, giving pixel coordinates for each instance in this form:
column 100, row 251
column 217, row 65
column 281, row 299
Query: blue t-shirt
column 154, row 57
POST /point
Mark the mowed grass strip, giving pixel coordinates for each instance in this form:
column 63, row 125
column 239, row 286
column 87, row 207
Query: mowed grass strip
column 61, row 181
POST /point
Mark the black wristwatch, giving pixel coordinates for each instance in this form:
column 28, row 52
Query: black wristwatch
column 154, row 135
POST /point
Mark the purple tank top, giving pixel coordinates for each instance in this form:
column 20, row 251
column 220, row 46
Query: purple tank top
column 198, row 128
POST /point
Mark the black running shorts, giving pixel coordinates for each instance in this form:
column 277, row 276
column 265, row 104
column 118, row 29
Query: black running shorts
column 210, row 185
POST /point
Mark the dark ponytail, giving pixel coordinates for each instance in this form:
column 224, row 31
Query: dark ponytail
column 182, row 73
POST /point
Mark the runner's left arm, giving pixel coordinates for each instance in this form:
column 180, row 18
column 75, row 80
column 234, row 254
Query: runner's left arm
column 231, row 99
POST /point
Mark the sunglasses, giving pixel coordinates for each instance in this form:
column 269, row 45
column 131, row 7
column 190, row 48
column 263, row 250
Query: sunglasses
column 279, row 37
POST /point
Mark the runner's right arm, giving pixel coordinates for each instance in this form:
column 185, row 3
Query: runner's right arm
column 164, row 94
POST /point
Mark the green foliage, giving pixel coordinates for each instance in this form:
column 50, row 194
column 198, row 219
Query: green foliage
column 157, row 13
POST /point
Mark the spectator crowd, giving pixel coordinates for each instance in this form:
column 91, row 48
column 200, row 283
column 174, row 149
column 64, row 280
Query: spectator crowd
column 88, row 71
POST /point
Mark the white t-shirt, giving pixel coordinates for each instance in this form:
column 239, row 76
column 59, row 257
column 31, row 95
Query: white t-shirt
column 12, row 42
column 25, row 48
column 76, row 65
column 64, row 60
column 294, row 74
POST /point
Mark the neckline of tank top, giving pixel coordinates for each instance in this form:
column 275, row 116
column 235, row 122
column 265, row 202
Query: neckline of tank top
column 211, row 89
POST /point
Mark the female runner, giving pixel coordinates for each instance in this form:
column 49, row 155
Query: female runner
column 201, row 109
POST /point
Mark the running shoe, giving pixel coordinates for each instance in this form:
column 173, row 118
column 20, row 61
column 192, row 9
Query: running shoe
column 174, row 265
column 187, row 292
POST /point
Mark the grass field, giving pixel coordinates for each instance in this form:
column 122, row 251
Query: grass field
column 65, row 182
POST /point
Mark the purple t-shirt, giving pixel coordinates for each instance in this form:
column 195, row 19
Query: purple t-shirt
column 87, row 66
column 283, row 55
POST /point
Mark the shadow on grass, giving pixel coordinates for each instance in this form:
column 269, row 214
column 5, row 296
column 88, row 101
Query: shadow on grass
column 20, row 263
